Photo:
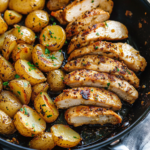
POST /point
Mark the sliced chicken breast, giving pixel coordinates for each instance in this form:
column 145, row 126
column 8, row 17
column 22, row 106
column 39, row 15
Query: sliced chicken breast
column 82, row 78
column 108, row 30
column 103, row 64
column 81, row 115
column 120, row 51
column 77, row 7
column 88, row 18
column 88, row 96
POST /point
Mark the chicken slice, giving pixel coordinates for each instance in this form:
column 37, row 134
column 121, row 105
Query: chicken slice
column 77, row 7
column 87, row 19
column 120, row 51
column 108, row 30
column 91, row 78
column 103, row 64
column 88, row 96
column 81, row 115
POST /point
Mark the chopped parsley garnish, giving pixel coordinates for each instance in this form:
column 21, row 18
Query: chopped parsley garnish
column 96, row 47
column 128, row 71
column 96, row 98
column 19, row 92
column 66, row 42
column 39, row 119
column 75, row 137
column 39, row 24
column 47, row 51
column 106, row 24
column 54, row 64
column 32, row 135
column 32, row 67
column 92, row 1
column 97, row 34
column 26, row 123
column 55, row 37
column 35, row 36
column 91, row 90
column 17, row 76
column 47, row 44
column 83, row 64
column 44, row 105
column 40, row 92
column 52, row 19
column 108, row 84
column 44, row 37
column 5, row 83
column 33, row 125
column 25, row 84
column 53, row 57
column 119, row 84
column 36, row 64
column 59, row 50
column 18, row 29
column 49, row 116
column 18, row 48
column 21, row 33
column 25, row 110
column 42, row 55
column 21, row 109
column 117, row 69
column 54, row 23
column 10, row 15
column 62, row 78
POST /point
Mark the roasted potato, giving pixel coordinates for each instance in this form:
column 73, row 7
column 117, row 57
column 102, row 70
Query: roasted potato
column 9, row 103
column 55, row 80
column 3, row 5
column 22, row 51
column 45, row 107
column 6, row 124
column 27, row 70
column 26, row 6
column 1, row 85
column 11, row 17
column 22, row 89
column 42, row 87
column 64, row 136
column 7, row 71
column 37, row 20
column 28, row 122
column 46, row 60
column 53, row 37
column 42, row 141
column 3, row 25
column 9, row 44
column 24, row 35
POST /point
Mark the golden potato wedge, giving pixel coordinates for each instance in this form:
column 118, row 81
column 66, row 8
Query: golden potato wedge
column 6, row 124
column 37, row 20
column 42, row 87
column 26, row 6
column 27, row 70
column 64, row 136
column 42, row 141
column 22, row 89
column 46, row 60
column 9, row 44
column 28, row 122
column 53, row 37
column 3, row 5
column 7, row 71
column 45, row 107
column 22, row 51
column 9, row 103
column 55, row 80
column 1, row 85
column 24, row 35
column 3, row 25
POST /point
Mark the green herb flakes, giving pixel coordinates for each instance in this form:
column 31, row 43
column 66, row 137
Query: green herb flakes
column 49, row 116
column 17, row 76
column 5, row 83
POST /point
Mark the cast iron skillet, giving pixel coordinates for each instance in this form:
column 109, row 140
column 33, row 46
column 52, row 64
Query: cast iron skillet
column 96, row 136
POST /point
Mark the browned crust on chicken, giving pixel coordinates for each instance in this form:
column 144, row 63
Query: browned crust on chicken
column 80, row 115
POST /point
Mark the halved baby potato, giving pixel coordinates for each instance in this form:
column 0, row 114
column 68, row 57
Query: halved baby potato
column 9, row 44
column 64, row 136
column 9, row 103
column 53, row 37
column 42, row 141
column 36, row 89
column 11, row 17
column 22, row 51
column 28, row 71
column 22, row 89
column 28, row 122
column 3, row 25
column 3, row 5
column 46, row 60
column 45, row 107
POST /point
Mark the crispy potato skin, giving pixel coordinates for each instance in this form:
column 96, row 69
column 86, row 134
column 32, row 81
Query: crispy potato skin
column 26, row 6
column 64, row 136
column 37, row 20
column 6, row 124
column 45, row 107
column 3, row 25
column 42, row 141
column 28, row 122
column 3, row 5
column 9, row 103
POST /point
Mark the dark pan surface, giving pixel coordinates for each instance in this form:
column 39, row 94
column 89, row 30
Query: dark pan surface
column 96, row 135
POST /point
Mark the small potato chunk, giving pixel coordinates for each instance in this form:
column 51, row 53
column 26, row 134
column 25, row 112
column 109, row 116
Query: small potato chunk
column 46, row 60
column 9, row 44
column 42, row 87
column 45, row 107
column 6, row 124
column 55, row 80
column 28, row 122
column 3, row 25
column 11, row 17
column 9, row 103
column 3, row 5
column 37, row 20
column 1, row 85
column 64, row 136
column 42, row 141
column 24, row 35
column 22, row 89
column 7, row 71
column 22, row 51
column 53, row 37
column 27, row 70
